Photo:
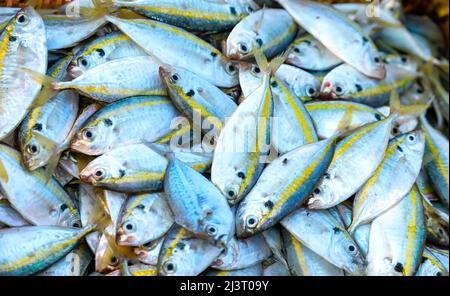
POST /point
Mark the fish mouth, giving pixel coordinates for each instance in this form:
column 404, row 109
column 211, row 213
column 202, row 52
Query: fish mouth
column 74, row 71
column 125, row 239
column 87, row 177
column 32, row 164
column 164, row 72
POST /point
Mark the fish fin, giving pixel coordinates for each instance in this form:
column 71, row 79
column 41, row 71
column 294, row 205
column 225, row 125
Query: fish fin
column 49, row 145
column 257, row 26
column 3, row 174
column 48, row 89
column 101, row 9
column 32, row 3
column 276, row 62
column 411, row 110
column 261, row 60
column 125, row 269
column 345, row 121
column 121, row 252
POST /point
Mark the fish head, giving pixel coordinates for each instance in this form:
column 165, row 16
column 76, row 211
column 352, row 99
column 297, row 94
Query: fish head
column 372, row 62
column 303, row 53
column 306, row 86
column 241, row 45
column 24, row 25
column 86, row 60
column 220, row 228
column 412, row 146
column 339, row 84
column 68, row 215
column 176, row 79
column 324, row 194
column 34, row 154
column 102, row 169
column 94, row 139
column 249, row 217
column 346, row 250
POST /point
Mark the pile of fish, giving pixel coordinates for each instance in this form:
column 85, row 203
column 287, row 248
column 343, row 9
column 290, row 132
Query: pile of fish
column 223, row 137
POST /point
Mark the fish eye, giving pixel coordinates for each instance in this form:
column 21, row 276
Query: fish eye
column 129, row 227
column 32, row 149
column 243, row 48
column 256, row 69
column 211, row 230
column 339, row 90
column 169, row 267
column 83, row 61
column 296, row 50
column 174, row 78
column 259, row 41
column 311, row 91
column 114, row 261
column 99, row 174
column 88, row 134
column 231, row 193
column 352, row 248
column 22, row 19
column 377, row 60
column 231, row 68
column 76, row 225
column 317, row 191
column 411, row 138
column 404, row 60
column 63, row 207
column 251, row 221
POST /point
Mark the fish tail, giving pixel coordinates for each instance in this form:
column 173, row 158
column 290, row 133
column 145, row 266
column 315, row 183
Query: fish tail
column 410, row 110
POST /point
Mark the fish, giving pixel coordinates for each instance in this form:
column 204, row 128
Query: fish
column 148, row 253
column 392, row 180
column 203, row 15
column 397, row 238
column 276, row 269
column 436, row 159
column 346, row 83
column 41, row 246
column 22, row 45
column 282, row 189
column 437, row 226
column 269, row 30
column 201, row 209
column 114, row 125
column 53, row 121
column 112, row 46
column 304, row 262
column 242, row 146
column 434, row 263
column 144, row 218
column 308, row 53
column 313, row 228
column 344, row 38
column 212, row 65
column 352, row 158
column 243, row 253
column 133, row 169
column 40, row 200
column 184, row 254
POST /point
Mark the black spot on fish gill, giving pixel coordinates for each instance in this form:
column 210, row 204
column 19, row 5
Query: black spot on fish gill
column 358, row 87
column 268, row 204
column 285, row 161
column 259, row 41
column 190, row 93
column 424, row 260
column 241, row 175
column 37, row 127
column 420, row 91
column 398, row 267
column 399, row 148
column 378, row 117
column 213, row 54
column 327, row 176
column 108, row 122
column 181, row 245
column 140, row 206
column 317, row 191
column 233, row 10
column 307, row 42
column 404, row 59
column 336, row 230
column 274, row 84
column 180, row 141
column 395, row 130
column 63, row 207
column 317, row 17
column 122, row 173
column 101, row 52
column 365, row 39
column 12, row 38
